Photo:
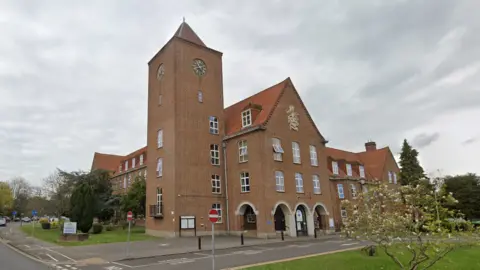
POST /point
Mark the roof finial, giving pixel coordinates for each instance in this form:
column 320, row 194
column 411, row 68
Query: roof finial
column 183, row 18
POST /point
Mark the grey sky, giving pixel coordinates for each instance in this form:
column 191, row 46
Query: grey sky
column 73, row 76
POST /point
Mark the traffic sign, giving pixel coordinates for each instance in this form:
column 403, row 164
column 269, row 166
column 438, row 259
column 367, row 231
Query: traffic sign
column 213, row 215
column 129, row 216
column 34, row 213
column 14, row 213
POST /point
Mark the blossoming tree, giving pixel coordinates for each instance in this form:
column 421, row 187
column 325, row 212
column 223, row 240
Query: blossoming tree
column 408, row 222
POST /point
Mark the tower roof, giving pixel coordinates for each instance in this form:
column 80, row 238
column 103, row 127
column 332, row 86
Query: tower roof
column 185, row 32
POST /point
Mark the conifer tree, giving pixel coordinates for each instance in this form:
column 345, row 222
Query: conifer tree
column 411, row 171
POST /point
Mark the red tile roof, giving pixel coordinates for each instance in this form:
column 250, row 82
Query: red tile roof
column 185, row 32
column 106, row 161
column 267, row 99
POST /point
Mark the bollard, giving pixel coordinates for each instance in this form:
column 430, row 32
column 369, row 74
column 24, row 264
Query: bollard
column 241, row 239
column 315, row 233
column 283, row 238
column 199, row 243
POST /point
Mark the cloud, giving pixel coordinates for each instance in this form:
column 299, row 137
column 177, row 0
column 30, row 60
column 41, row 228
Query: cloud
column 423, row 140
column 471, row 140
column 73, row 76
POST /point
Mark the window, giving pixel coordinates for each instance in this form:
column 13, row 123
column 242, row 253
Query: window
column 246, row 118
column 341, row 195
column 141, row 159
column 159, row 167
column 365, row 189
column 159, row 99
column 200, row 96
column 218, row 207
column 279, row 181
column 133, row 162
column 159, row 201
column 349, row 169
column 216, row 184
column 145, row 173
column 245, row 181
column 343, row 213
column 362, row 171
column 390, row 177
column 119, row 168
column 214, row 154
column 335, row 167
column 159, row 138
column 313, row 156
column 353, row 189
column 129, row 181
column 296, row 152
column 213, row 125
column 277, row 149
column 125, row 182
column 299, row 182
column 394, row 177
column 316, row 184
column 242, row 151
column 126, row 165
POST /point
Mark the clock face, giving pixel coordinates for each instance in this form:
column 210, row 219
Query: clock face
column 199, row 67
column 160, row 72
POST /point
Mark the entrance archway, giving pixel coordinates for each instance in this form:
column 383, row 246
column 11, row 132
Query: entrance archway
column 301, row 220
column 283, row 219
column 247, row 219
column 320, row 218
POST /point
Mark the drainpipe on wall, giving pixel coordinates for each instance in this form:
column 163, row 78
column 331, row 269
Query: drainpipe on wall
column 224, row 146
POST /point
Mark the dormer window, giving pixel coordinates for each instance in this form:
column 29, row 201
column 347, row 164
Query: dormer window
column 247, row 118
column 349, row 169
column 335, row 167
column 141, row 159
column 362, row 171
column 126, row 165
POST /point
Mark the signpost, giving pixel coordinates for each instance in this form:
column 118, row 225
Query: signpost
column 34, row 214
column 70, row 228
column 129, row 219
column 213, row 217
column 14, row 213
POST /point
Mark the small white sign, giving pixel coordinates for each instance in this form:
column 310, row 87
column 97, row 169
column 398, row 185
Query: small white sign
column 330, row 221
column 70, row 228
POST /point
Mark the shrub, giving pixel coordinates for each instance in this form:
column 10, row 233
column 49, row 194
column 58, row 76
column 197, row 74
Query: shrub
column 109, row 227
column 60, row 224
column 54, row 224
column 45, row 225
column 43, row 220
column 97, row 228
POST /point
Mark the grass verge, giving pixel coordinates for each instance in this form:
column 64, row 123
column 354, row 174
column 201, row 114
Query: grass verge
column 118, row 235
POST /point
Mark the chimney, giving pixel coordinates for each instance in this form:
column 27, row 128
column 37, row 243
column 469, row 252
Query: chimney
column 370, row 146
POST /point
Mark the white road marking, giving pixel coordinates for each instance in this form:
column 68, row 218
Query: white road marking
column 51, row 257
column 56, row 252
column 27, row 246
column 121, row 264
column 350, row 244
column 113, row 268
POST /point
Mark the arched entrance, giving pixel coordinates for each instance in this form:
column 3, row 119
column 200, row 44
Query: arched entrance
column 320, row 218
column 279, row 220
column 283, row 219
column 247, row 219
column 301, row 220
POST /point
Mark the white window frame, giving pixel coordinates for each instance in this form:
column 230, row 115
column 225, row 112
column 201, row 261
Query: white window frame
column 141, row 159
column 353, row 190
column 279, row 181
column 120, row 168
column 349, row 169
column 159, row 200
column 343, row 213
column 244, row 182
column 218, row 207
column 145, row 173
column 159, row 167
column 247, row 118
column 335, row 167
column 216, row 184
column 126, row 165
column 160, row 138
column 277, row 149
column 390, row 180
column 133, row 163
column 394, row 177
column 316, row 184
column 364, row 188
column 361, row 170
column 129, row 180
column 125, row 182
column 340, row 191
column 296, row 153
column 299, row 183
column 200, row 96
column 215, row 154
column 242, row 151
column 213, row 124
column 313, row 156
column 160, row 99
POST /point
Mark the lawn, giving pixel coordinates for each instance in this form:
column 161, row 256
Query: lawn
column 465, row 259
column 118, row 235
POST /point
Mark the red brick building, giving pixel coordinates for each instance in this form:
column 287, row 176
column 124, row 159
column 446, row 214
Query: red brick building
column 262, row 162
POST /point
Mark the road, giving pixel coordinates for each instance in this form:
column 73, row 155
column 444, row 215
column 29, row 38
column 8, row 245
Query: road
column 12, row 260
column 227, row 258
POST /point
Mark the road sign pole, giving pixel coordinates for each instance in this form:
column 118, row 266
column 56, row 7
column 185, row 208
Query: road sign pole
column 213, row 246
column 128, row 237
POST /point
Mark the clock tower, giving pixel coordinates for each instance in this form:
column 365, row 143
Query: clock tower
column 185, row 128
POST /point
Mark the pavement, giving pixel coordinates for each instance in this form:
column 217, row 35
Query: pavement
column 178, row 253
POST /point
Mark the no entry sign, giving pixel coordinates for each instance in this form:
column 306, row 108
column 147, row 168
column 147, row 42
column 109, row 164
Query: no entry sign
column 213, row 215
column 129, row 216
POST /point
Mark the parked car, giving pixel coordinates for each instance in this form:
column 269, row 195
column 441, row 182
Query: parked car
column 26, row 219
column 8, row 219
column 3, row 222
